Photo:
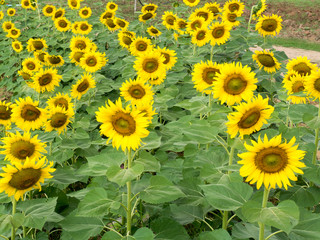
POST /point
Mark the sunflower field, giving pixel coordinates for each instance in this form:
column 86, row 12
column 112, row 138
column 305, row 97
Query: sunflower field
column 162, row 125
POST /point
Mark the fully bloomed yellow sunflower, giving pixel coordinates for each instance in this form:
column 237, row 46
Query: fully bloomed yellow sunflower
column 31, row 65
column 191, row 3
column 169, row 19
column 58, row 119
column 180, row 25
column 153, row 31
column 40, row 56
column 53, row 60
column 136, row 91
column 49, row 10
column 76, row 55
column 62, row 24
column 60, row 100
column 58, row 13
column 219, row 33
column 74, row 4
column 249, row 117
column 231, row 18
column 121, row 23
column 294, row 86
column 271, row 163
column 234, row 83
column 266, row 60
column 17, row 147
column 149, row 7
column 234, row 6
column 18, row 178
column 170, row 57
column 204, row 74
column 195, row 23
column 140, row 45
column 11, row 12
column 200, row 37
column 111, row 24
column 93, row 61
column 123, row 126
column 146, row 108
column 204, row 13
column 312, row 84
column 36, row 44
column 27, row 115
column 302, row 65
column 84, row 27
column 46, row 80
column 145, row 16
column 5, row 113
column 82, row 86
column 80, row 43
column 85, row 12
column 13, row 33
column 126, row 38
column 6, row 26
column 111, row 6
column 105, row 15
column 214, row 8
column 26, row 4
column 287, row 77
column 17, row 46
column 269, row 25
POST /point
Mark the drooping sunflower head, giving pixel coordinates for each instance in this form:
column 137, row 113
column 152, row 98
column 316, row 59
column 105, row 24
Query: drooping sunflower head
column 149, row 7
column 17, row 179
column 204, row 13
column 18, row 147
column 269, row 25
column 180, row 25
column 219, row 33
column 46, row 80
column 121, row 23
column 191, row 3
column 36, row 44
column 62, row 24
column 25, row 4
column 271, row 163
column 14, row 33
column 82, row 86
column 296, row 85
column 234, row 6
column 58, row 119
column 153, row 31
column 249, row 117
column 140, row 45
column 34, row 4
column 48, row 10
column 31, row 65
column 110, row 24
column 150, row 65
column 169, row 19
column 60, row 100
column 124, row 127
column 169, row 56
column 266, row 60
column 204, row 74
column 234, row 83
column 74, row 4
column 17, row 46
column 259, row 9
column 214, row 8
column 54, row 60
column 6, row 26
column 5, row 113
column 80, row 43
column 93, row 61
column 11, row 12
column 145, row 16
column 84, row 27
column 126, row 38
column 105, row 15
column 58, row 13
column 136, row 91
column 111, row 6
column 40, row 56
column 301, row 65
column 85, row 12
column 312, row 84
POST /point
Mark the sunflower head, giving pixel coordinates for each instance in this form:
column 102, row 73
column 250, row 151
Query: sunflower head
column 84, row 27
column 17, row 46
column 31, row 65
column 58, row 119
column 149, row 7
column 296, row 85
column 14, row 33
column 140, row 45
column 82, row 86
column 6, row 26
column 110, row 24
column 195, row 23
column 269, row 25
column 153, row 31
column 301, row 65
column 180, row 25
column 136, row 91
column 191, row 3
column 36, row 44
column 5, row 113
column 121, row 23
column 11, row 12
column 74, row 4
column 266, row 60
column 49, row 10
column 126, row 38
column 58, row 13
column 219, row 33
column 46, row 80
column 312, row 84
column 145, row 16
column 111, row 6
column 25, row 4
column 60, row 100
column 169, row 19
column 85, row 12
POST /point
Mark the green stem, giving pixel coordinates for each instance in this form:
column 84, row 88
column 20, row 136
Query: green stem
column 13, row 229
column 225, row 220
column 272, row 234
column 211, row 53
column 74, row 117
column 50, row 148
column 194, row 50
column 251, row 12
column 129, row 196
column 231, row 158
column 264, row 204
column 4, row 237
column 210, row 104
column 24, row 229
column 316, row 143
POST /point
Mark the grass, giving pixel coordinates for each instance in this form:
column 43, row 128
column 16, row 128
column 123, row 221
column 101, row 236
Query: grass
column 295, row 43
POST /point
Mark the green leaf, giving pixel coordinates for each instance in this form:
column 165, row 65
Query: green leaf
column 160, row 190
column 302, row 196
column 96, row 203
column 111, row 236
column 166, row 228
column 297, row 111
column 185, row 214
column 143, row 234
column 17, row 219
column 308, row 227
column 227, row 197
column 149, row 162
column 200, row 131
column 122, row 176
column 218, row 234
column 152, row 141
column 37, row 211
column 312, row 121
column 251, row 210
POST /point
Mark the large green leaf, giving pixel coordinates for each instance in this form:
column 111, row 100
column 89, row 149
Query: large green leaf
column 228, row 197
column 308, row 227
column 143, row 234
column 185, row 214
column 166, row 228
column 218, row 234
column 122, row 176
column 149, row 162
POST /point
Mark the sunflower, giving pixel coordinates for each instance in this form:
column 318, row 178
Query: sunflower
column 27, row 115
column 200, row 37
column 266, row 60
column 301, row 65
column 124, row 126
column 36, row 44
column 62, row 24
column 53, row 60
column 26, row 75
column 169, row 19
column 74, row 4
column 111, row 6
column 219, row 33
column 5, row 113
column 269, row 25
column 296, row 85
column 234, row 83
column 49, row 10
column 34, row 4
column 259, row 9
column 214, row 8
column 20, row 178
column 180, row 25
column 195, row 23
column 11, row 12
column 153, row 31
column 249, row 117
column 6, row 26
column 58, row 13
column 58, row 119
column 84, row 27
column 312, row 84
column 126, row 38
column 136, row 91
column 110, row 24
column 31, row 65
column 150, row 65
column 234, row 6
column 140, row 45
column 46, row 80
column 93, row 61
column 287, row 77
column 17, row 46
column 1, row 15
column 105, row 15
column 271, row 162
column 76, row 55
column 204, row 13
column 18, row 147
column 82, row 86
column 204, row 74
column 149, row 7
column 85, row 12
column 25, row 4
column 157, row 80
column 60, row 100
column 231, row 18
column 121, row 23
column 146, row 108
column 41, row 56
column 14, row 33
column 191, row 3
column 145, row 16
column 169, row 55
column 80, row 43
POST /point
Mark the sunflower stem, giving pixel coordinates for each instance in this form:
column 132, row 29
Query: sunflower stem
column 194, row 50
column 225, row 220
column 13, row 229
column 129, row 196
column 211, row 53
column 231, row 153
column 272, row 234
column 38, row 11
column 24, row 231
column 249, row 22
column 264, row 204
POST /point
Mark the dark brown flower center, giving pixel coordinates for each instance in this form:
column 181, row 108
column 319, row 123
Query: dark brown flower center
column 77, row 56
column 250, row 118
column 147, row 16
column 196, row 24
column 297, row 87
column 150, row 65
column 191, row 1
column 123, row 123
column 182, row 24
column 26, row 76
column 30, row 113
column 110, row 23
column 22, row 149
column 14, row 32
column 58, row 14
column 83, row 86
column 58, row 120
column 8, row 26
column 49, row 10
column 166, row 56
column 170, row 20
column 5, row 112
column 85, row 12
column 217, row 32
column 112, row 6
column 107, row 15
column 154, row 31
column 62, row 102
column 121, row 23
column 204, row 15
column 235, row 84
column 232, row 17
column 302, row 68
column 25, row 178
column 209, row 74
column 141, row 46
column 63, row 23
column 317, row 84
column 74, row 3
column 31, row 66
column 266, row 60
column 80, row 44
column 137, row 91
column 127, row 40
column 84, row 27
column 45, row 79
column 149, row 8
column 214, row 10
column 26, row 3
column 271, row 159
column 91, row 61
column 269, row 25
column 234, row 7
column 201, row 35
column 54, row 59
column 17, row 46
